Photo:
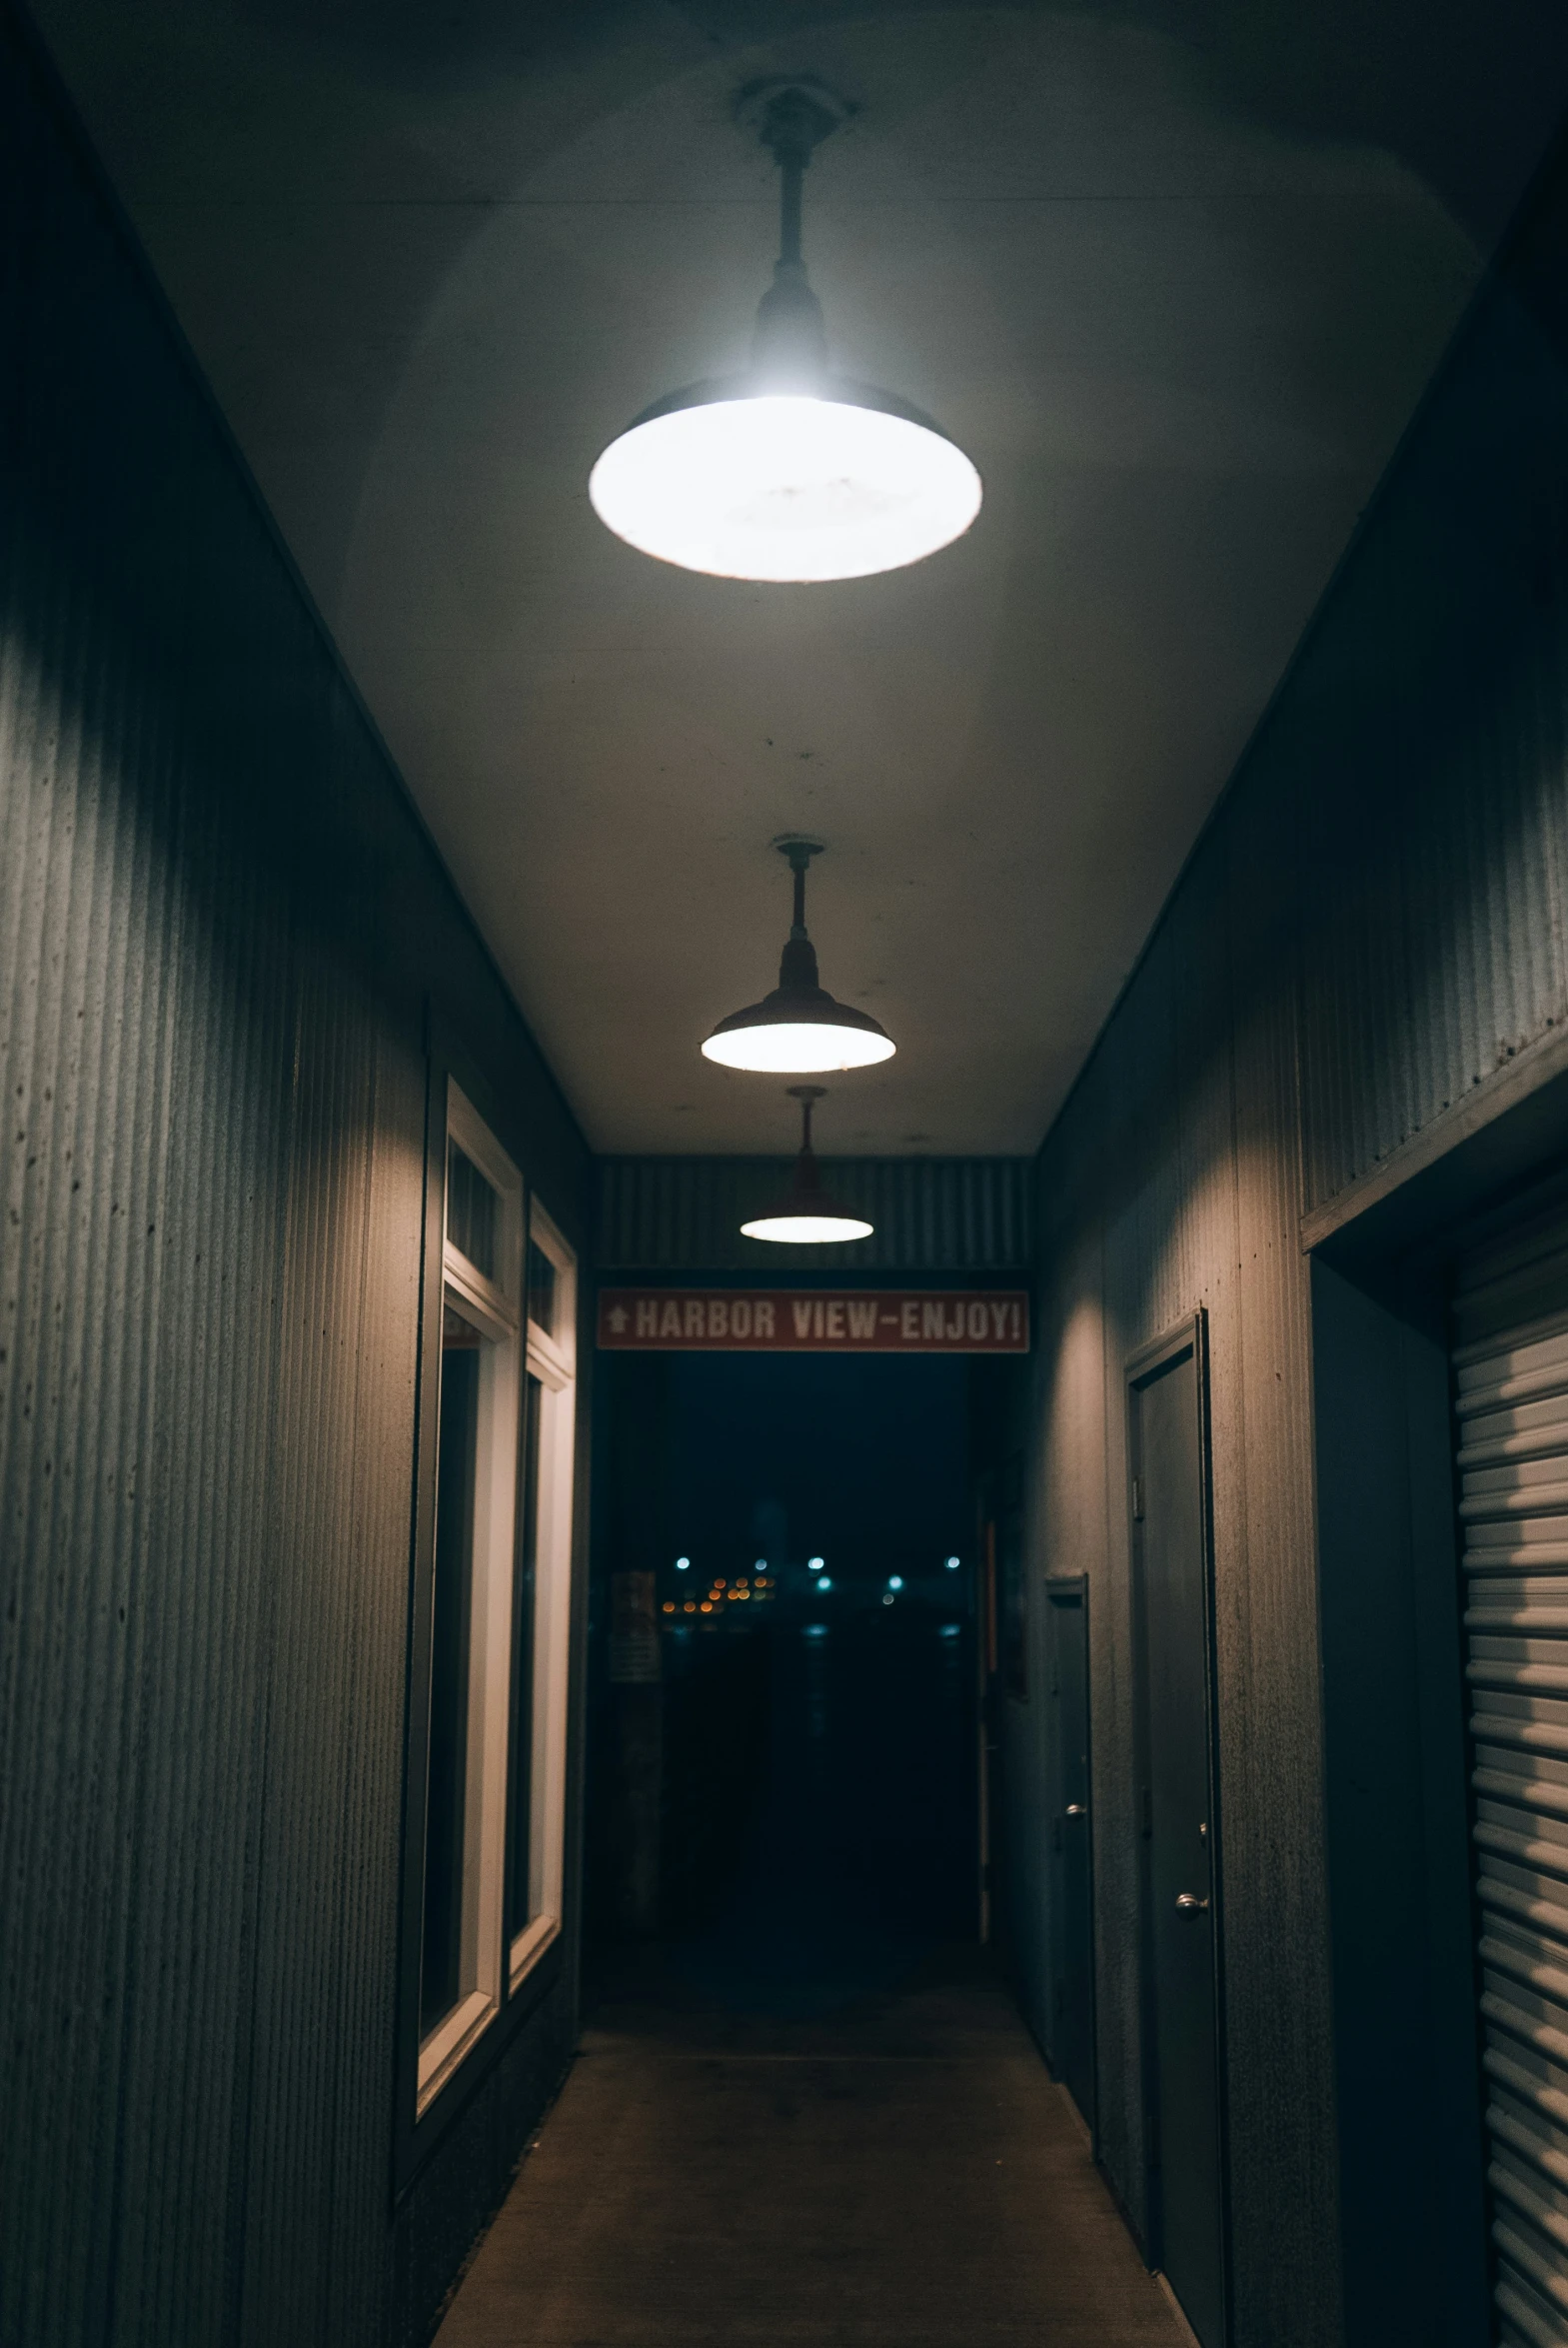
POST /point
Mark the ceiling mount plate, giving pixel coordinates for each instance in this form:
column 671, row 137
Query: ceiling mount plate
column 791, row 113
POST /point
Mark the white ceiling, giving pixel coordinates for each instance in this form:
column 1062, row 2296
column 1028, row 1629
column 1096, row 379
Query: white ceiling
column 1176, row 298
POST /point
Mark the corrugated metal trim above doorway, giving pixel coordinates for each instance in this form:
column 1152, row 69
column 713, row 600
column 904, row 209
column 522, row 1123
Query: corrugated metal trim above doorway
column 930, row 1214
column 1511, row 1396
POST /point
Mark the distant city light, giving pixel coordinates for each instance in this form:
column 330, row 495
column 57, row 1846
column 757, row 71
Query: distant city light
column 952, row 1564
column 949, row 1631
column 814, row 1564
column 825, row 1583
column 888, row 1599
column 761, row 1566
column 682, row 1564
column 895, row 1582
column 816, row 1631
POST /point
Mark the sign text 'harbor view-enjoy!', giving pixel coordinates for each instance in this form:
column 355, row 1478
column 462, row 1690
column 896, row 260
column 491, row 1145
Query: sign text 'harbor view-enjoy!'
column 814, row 1320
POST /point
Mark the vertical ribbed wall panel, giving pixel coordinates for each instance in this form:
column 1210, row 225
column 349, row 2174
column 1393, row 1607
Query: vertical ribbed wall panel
column 1431, row 712
column 220, row 926
column 1373, row 925
column 1268, row 1714
column 928, row 1214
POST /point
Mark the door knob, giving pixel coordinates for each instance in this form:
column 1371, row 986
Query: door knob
column 1189, row 1904
column 1076, row 1810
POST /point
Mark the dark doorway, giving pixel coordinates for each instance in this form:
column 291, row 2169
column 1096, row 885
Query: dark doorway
column 1071, row 2007
column 1004, row 1643
column 814, row 1578
column 1167, row 1430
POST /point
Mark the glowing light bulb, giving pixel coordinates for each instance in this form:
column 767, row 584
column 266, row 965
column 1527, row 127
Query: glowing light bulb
column 797, row 1048
column 808, row 1230
column 785, row 486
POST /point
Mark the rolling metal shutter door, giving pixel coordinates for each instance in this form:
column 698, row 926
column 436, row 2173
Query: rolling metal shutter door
column 1511, row 1376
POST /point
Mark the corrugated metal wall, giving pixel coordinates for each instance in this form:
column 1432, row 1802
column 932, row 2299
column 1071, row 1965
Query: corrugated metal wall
column 1372, row 929
column 220, row 926
column 928, row 1214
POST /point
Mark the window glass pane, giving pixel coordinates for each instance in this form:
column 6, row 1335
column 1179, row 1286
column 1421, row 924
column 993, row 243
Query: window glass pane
column 441, row 1955
column 520, row 1786
column 540, row 1289
column 473, row 1211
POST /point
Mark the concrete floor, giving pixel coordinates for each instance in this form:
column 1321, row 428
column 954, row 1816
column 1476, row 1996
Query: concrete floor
column 900, row 2171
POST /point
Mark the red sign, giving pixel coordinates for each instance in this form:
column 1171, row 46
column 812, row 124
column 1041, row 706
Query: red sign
column 813, row 1320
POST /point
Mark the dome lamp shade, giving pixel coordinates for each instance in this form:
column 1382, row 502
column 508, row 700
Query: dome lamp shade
column 786, row 472
column 806, row 1215
column 798, row 1028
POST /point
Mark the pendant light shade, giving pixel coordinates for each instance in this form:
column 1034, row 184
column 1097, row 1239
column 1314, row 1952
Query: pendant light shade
column 799, row 1027
column 744, row 483
column 805, row 1216
column 787, row 472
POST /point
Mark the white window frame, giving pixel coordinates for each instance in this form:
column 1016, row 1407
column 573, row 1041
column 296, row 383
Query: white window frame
column 496, row 1308
column 552, row 1359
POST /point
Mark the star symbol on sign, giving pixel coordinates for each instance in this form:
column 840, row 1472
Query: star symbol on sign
column 618, row 1318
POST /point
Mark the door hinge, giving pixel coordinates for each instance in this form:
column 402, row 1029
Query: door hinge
column 1137, row 1499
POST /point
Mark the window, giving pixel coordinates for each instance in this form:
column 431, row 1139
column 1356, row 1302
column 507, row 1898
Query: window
column 536, row 1826
column 479, row 1408
column 491, row 1887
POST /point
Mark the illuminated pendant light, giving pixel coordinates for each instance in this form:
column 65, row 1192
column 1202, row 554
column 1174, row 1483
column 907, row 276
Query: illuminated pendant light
column 806, row 1215
column 786, row 472
column 798, row 1028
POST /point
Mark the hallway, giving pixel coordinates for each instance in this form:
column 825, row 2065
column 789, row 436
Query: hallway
column 629, row 1684
column 903, row 2171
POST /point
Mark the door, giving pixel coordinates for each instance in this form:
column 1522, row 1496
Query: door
column 1511, row 1402
column 1173, row 1616
column 1071, row 2047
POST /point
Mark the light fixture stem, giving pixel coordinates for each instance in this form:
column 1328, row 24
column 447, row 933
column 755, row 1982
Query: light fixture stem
column 800, row 854
column 807, row 1096
column 792, row 176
